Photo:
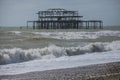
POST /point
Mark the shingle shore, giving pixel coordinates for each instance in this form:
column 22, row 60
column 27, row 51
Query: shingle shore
column 108, row 71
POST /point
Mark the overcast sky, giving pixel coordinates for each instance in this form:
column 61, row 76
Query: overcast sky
column 17, row 12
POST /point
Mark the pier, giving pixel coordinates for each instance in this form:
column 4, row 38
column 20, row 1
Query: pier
column 58, row 18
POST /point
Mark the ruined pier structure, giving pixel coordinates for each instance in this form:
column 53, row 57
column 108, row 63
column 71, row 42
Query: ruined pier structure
column 63, row 19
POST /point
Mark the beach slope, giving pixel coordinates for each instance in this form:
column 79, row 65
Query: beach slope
column 108, row 71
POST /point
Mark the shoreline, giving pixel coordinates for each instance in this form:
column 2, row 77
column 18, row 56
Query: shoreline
column 106, row 71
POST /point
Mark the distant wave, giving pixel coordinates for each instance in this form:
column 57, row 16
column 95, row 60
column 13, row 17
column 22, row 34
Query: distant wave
column 78, row 35
column 16, row 55
column 70, row 35
column 16, row 32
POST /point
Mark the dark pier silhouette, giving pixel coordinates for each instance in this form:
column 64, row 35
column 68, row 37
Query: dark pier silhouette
column 58, row 18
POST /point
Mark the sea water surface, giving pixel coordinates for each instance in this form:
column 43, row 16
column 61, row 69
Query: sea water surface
column 23, row 50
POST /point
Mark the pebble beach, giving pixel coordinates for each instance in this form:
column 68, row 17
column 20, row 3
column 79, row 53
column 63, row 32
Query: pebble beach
column 107, row 71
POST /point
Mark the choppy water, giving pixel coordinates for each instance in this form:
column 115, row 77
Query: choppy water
column 37, row 50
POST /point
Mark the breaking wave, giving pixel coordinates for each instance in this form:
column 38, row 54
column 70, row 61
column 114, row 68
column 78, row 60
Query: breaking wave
column 16, row 55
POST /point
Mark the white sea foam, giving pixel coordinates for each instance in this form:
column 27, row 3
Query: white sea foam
column 19, row 55
column 16, row 55
column 62, row 62
column 79, row 35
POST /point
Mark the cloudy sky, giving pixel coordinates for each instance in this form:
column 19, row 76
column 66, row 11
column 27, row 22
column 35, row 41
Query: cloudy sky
column 17, row 12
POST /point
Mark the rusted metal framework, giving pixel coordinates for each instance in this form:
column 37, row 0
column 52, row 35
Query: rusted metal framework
column 58, row 18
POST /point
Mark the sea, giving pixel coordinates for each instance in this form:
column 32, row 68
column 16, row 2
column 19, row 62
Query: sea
column 26, row 50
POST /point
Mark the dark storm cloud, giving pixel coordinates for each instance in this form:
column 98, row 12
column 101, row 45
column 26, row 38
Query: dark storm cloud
column 17, row 12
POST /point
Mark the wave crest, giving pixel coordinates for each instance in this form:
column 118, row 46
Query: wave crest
column 16, row 55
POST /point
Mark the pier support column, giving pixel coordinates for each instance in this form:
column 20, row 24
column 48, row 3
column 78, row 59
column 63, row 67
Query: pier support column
column 94, row 24
column 87, row 27
column 101, row 24
column 27, row 24
column 34, row 25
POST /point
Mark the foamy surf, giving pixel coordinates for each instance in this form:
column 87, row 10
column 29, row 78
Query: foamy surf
column 78, row 35
column 61, row 62
column 17, row 55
